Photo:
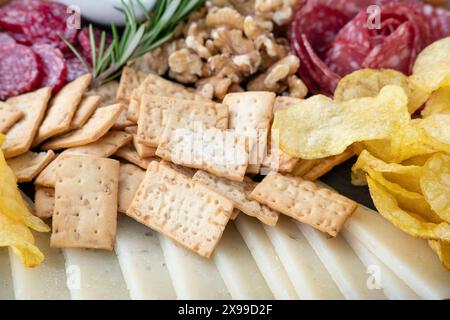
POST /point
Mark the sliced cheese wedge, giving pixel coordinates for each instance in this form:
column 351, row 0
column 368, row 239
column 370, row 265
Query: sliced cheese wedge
column 94, row 274
column 142, row 261
column 265, row 257
column 308, row 275
column 411, row 259
column 193, row 277
column 238, row 269
column 6, row 284
column 342, row 263
column 393, row 287
column 46, row 281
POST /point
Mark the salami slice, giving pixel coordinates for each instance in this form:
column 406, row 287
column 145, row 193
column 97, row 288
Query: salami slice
column 54, row 66
column 6, row 40
column 74, row 67
column 18, row 14
column 20, row 71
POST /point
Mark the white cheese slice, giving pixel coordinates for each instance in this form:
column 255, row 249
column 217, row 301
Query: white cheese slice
column 142, row 261
column 342, row 263
column 193, row 277
column 308, row 275
column 411, row 259
column 393, row 287
column 6, row 284
column 265, row 257
column 238, row 269
column 46, row 281
column 94, row 274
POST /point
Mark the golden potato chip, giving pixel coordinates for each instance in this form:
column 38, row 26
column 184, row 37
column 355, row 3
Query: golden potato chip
column 368, row 83
column 435, row 183
column 387, row 206
column 432, row 66
column 436, row 126
column 442, row 249
column 439, row 102
column 417, row 160
column 319, row 127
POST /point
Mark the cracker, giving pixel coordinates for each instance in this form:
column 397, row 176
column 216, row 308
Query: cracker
column 305, row 201
column 9, row 115
column 44, row 202
column 130, row 129
column 129, row 153
column 95, row 128
column 131, row 177
column 223, row 153
column 102, row 148
column 303, row 166
column 325, row 165
column 20, row 137
column 275, row 158
column 184, row 210
column 122, row 121
column 86, row 194
column 239, row 193
column 28, row 165
column 250, row 115
column 87, row 107
column 62, row 108
column 235, row 214
column 155, row 110
column 130, row 79
column 107, row 91
column 143, row 150
column 283, row 103
column 188, row 172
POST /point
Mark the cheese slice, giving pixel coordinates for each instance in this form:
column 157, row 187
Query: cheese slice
column 193, row 277
column 393, row 287
column 411, row 259
column 342, row 263
column 142, row 261
column 238, row 269
column 94, row 274
column 308, row 275
column 6, row 284
column 265, row 257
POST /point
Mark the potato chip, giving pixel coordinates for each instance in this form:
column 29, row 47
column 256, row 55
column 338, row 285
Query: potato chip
column 387, row 206
column 432, row 67
column 319, row 127
column 442, row 249
column 436, row 126
column 417, row 160
column 368, row 83
column 435, row 183
column 439, row 102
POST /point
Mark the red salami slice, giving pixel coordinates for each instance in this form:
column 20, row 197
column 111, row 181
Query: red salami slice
column 74, row 67
column 54, row 66
column 18, row 14
column 20, row 71
column 6, row 40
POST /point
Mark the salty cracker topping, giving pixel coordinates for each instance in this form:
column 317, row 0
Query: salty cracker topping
column 9, row 115
column 87, row 107
column 184, row 210
column 28, row 165
column 131, row 177
column 86, row 196
column 44, row 202
column 305, row 201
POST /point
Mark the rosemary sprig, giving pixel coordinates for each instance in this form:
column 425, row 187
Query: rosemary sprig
column 137, row 38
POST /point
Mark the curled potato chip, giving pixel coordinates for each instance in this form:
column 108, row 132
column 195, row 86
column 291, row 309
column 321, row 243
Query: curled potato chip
column 439, row 102
column 432, row 67
column 436, row 126
column 435, row 183
column 369, row 82
column 319, row 127
column 442, row 249
column 388, row 207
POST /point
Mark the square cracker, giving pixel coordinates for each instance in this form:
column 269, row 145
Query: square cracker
column 102, row 148
column 251, row 115
column 8, row 116
column 21, row 134
column 155, row 110
column 62, row 108
column 142, row 150
column 130, row 79
column 184, row 210
column 305, row 201
column 131, row 177
column 28, row 165
column 86, row 194
column 107, row 92
column 87, row 107
column 95, row 128
column 129, row 153
column 239, row 193
column 44, row 202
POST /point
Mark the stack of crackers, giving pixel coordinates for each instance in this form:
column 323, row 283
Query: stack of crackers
column 165, row 156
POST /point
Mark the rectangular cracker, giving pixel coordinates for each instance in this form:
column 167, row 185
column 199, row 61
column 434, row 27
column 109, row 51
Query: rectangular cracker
column 122, row 121
column 188, row 172
column 129, row 153
column 102, row 148
column 44, row 202
column 9, row 115
column 28, row 165
column 305, row 201
column 184, row 210
column 239, row 193
column 107, row 92
column 20, row 137
column 223, row 153
column 325, row 165
column 131, row 177
column 96, row 127
column 251, row 115
column 303, row 166
column 143, row 150
column 86, row 195
column 155, row 110
column 86, row 108
column 130, row 79
column 62, row 108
